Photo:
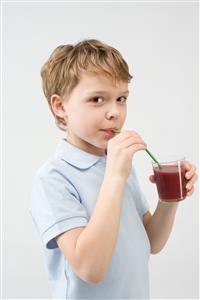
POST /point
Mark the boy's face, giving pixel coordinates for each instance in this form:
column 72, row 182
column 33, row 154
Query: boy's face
column 94, row 105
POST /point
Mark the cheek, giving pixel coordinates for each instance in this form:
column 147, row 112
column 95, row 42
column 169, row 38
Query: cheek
column 86, row 120
column 92, row 121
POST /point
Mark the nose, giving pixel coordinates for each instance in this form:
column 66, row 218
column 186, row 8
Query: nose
column 113, row 112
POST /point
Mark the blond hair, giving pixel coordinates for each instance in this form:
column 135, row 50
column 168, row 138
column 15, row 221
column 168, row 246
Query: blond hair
column 61, row 72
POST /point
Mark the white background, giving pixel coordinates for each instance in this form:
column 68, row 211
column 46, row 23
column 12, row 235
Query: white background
column 160, row 43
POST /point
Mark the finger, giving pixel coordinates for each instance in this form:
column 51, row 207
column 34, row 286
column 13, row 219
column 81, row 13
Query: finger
column 131, row 132
column 191, row 182
column 120, row 137
column 191, row 172
column 136, row 147
column 132, row 141
column 152, row 178
column 125, row 134
column 189, row 193
column 187, row 165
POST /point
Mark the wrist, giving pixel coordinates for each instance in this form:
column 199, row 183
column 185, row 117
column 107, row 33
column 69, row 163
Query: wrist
column 168, row 205
column 114, row 179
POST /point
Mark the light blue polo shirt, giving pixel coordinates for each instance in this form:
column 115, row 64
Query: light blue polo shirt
column 64, row 195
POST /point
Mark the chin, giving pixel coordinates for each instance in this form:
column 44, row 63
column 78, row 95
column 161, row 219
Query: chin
column 103, row 145
column 99, row 144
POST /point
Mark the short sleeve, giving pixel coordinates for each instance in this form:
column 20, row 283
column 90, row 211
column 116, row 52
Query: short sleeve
column 55, row 207
column 140, row 200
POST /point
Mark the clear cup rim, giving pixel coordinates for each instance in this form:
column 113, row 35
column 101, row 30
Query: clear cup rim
column 168, row 159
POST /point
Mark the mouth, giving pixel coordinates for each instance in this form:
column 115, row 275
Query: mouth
column 109, row 131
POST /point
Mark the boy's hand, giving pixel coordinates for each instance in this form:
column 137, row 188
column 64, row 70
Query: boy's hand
column 120, row 151
column 190, row 175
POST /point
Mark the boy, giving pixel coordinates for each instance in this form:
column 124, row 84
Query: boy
column 87, row 204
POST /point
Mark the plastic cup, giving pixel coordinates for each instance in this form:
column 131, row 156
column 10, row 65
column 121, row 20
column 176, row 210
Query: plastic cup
column 170, row 179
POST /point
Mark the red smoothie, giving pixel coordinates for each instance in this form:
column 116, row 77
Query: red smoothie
column 170, row 182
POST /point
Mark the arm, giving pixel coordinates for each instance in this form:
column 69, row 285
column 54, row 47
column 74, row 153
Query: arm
column 96, row 243
column 89, row 250
column 159, row 226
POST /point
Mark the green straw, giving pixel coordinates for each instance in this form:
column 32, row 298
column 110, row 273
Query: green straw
column 156, row 161
column 150, row 154
column 116, row 130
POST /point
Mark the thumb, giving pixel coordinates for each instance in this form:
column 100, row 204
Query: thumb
column 152, row 178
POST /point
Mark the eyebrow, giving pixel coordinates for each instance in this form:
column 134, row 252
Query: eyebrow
column 104, row 92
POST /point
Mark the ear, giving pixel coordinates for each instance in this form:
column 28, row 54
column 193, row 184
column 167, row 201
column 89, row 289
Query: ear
column 58, row 106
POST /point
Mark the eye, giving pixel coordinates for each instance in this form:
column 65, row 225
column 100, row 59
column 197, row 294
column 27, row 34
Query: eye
column 97, row 99
column 122, row 99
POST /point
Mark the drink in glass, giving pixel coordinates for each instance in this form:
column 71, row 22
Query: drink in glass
column 170, row 179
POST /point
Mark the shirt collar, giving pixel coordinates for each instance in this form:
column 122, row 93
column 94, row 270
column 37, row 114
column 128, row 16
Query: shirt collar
column 75, row 156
